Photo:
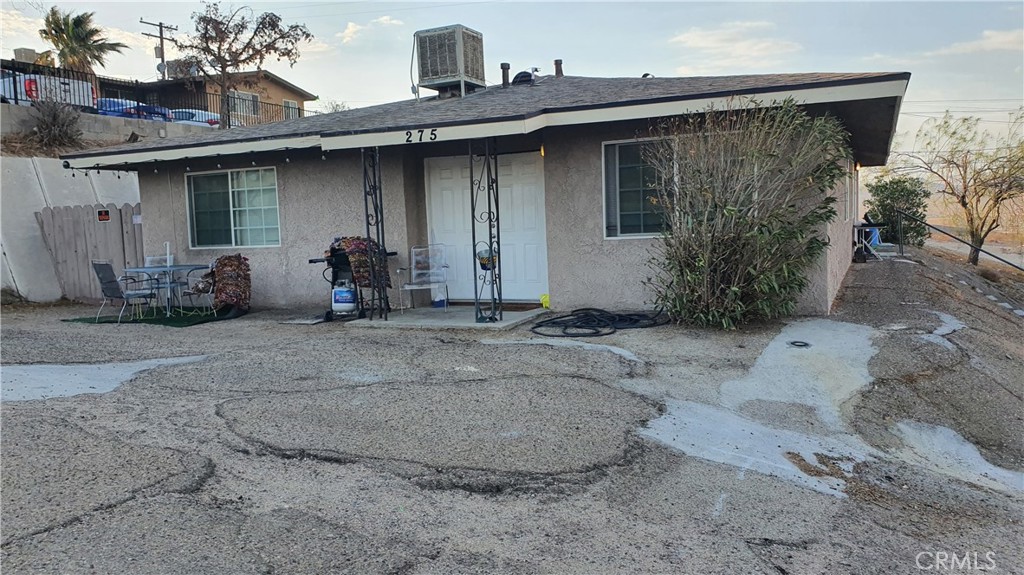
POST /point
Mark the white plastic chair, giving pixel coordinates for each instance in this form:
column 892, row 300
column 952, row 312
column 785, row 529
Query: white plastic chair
column 428, row 269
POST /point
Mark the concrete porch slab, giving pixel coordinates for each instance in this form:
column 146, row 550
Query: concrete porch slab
column 457, row 317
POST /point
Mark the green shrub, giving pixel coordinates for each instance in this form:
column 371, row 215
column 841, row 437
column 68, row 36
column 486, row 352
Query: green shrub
column 899, row 193
column 745, row 199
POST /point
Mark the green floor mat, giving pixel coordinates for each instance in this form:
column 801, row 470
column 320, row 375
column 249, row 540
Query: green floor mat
column 191, row 316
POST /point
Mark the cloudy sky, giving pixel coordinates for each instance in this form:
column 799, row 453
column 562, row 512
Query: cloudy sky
column 964, row 57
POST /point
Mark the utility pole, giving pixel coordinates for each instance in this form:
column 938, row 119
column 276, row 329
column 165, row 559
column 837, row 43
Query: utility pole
column 162, row 27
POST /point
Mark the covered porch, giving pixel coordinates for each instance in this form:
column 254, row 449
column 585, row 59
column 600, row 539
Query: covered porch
column 482, row 201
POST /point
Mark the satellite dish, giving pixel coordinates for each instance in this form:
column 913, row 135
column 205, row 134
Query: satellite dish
column 161, row 67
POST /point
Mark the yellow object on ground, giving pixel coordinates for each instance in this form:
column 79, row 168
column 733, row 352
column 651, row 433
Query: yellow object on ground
column 545, row 301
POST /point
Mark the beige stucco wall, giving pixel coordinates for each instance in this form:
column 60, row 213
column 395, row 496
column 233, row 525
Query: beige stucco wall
column 317, row 199
column 826, row 276
column 584, row 269
column 275, row 93
column 320, row 199
column 841, row 233
column 414, row 177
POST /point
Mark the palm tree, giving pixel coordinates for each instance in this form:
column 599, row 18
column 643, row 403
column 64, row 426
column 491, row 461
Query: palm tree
column 78, row 42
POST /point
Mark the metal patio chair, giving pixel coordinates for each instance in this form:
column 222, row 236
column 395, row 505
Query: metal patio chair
column 141, row 292
column 200, row 290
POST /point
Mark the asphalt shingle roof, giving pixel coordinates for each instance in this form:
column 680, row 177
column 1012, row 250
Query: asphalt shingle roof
column 549, row 94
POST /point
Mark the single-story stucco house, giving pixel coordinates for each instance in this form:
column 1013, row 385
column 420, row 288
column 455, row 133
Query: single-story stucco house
column 279, row 193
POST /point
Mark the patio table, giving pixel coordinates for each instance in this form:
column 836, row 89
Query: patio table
column 167, row 271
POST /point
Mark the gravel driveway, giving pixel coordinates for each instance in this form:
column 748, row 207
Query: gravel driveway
column 331, row 448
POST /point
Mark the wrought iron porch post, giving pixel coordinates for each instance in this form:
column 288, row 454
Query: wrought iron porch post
column 373, row 203
column 486, row 214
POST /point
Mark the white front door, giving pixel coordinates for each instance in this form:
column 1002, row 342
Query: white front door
column 523, row 252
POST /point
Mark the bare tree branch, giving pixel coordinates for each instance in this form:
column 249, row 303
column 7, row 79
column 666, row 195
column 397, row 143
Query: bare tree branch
column 225, row 44
column 979, row 170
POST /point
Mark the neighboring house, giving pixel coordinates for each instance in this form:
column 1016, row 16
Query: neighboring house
column 279, row 193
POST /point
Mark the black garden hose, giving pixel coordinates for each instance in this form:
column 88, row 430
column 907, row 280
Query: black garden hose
column 593, row 322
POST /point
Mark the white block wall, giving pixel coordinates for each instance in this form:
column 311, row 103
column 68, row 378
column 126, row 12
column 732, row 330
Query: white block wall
column 29, row 184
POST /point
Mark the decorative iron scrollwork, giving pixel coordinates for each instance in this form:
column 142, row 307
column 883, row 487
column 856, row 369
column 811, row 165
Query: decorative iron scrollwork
column 373, row 202
column 484, row 207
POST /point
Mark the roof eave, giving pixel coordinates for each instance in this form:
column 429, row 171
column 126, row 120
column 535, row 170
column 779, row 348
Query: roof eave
column 891, row 86
column 125, row 159
column 883, row 86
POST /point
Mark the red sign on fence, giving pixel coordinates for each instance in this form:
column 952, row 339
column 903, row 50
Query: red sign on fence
column 103, row 215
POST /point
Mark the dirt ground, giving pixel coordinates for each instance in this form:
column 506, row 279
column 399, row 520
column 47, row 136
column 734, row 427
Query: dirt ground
column 330, row 448
column 976, row 386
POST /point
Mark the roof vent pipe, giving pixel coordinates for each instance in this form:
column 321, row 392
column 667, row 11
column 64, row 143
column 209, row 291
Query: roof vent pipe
column 504, row 74
column 558, row 69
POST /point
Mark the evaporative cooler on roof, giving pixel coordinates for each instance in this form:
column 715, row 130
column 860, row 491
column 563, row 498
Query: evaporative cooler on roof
column 450, row 57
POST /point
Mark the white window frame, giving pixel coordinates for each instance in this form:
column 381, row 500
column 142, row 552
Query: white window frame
column 604, row 192
column 231, row 209
column 856, row 191
column 291, row 105
column 234, row 99
column 851, row 191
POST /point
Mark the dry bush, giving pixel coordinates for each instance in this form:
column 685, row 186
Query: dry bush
column 57, row 125
column 25, row 145
column 745, row 193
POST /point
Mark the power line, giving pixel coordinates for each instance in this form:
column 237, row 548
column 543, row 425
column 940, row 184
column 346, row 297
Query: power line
column 974, row 100
column 934, row 114
column 948, row 151
column 964, row 109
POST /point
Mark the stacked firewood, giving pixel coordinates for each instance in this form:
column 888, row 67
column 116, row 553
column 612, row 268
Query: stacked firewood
column 232, row 282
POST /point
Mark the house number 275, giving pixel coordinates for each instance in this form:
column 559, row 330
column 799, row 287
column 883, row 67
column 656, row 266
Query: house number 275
column 417, row 136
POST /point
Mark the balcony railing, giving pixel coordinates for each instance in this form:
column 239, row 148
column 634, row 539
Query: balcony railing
column 23, row 83
column 243, row 111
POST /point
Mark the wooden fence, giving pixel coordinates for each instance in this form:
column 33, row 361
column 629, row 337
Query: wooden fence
column 76, row 235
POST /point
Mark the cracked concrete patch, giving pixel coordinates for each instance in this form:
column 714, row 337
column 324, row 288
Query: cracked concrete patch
column 822, row 376
column 719, row 435
column 189, row 540
column 518, row 425
column 943, row 450
column 949, row 325
column 570, row 343
column 294, row 541
column 54, row 472
column 40, row 381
